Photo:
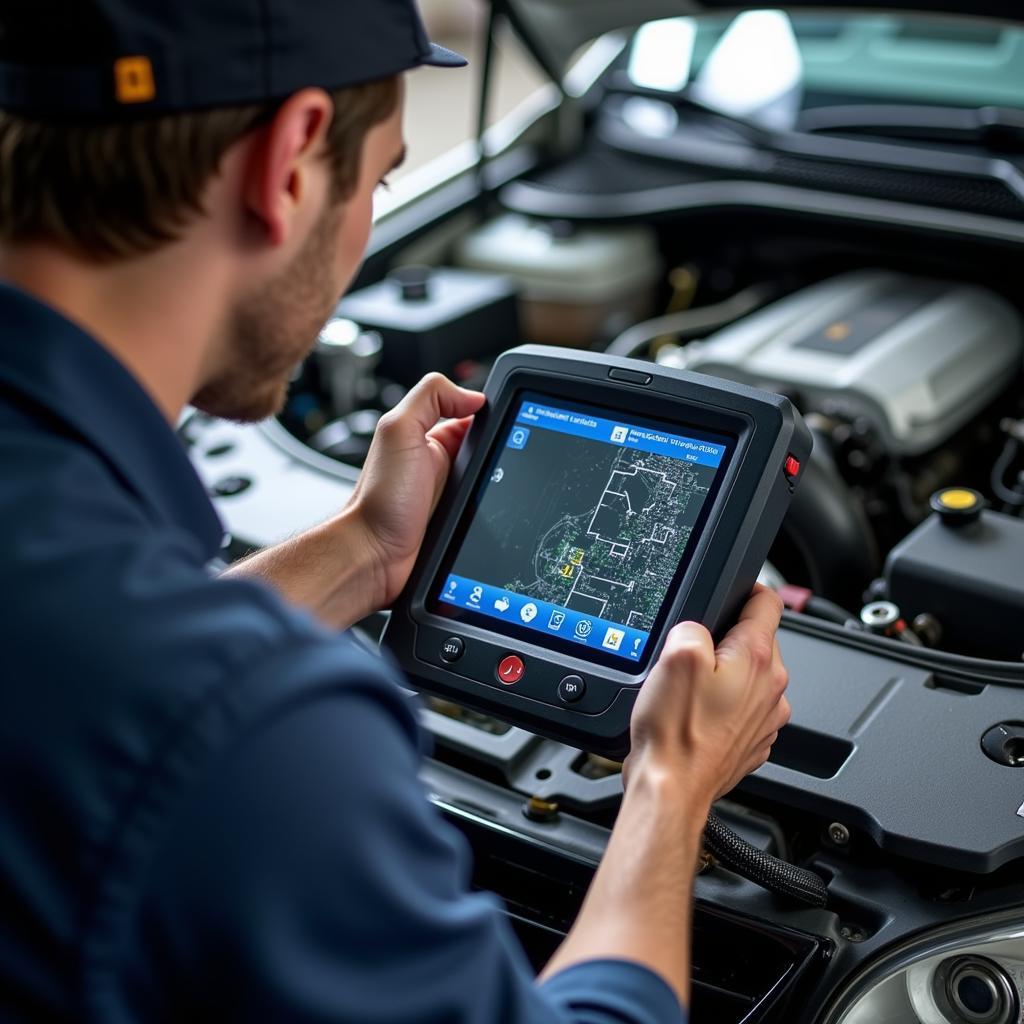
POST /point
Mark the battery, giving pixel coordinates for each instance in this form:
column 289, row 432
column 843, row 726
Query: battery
column 435, row 318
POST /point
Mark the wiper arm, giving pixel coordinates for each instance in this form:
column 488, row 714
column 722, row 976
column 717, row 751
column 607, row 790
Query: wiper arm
column 997, row 129
column 885, row 152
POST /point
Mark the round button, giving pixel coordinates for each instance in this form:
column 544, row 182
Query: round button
column 510, row 670
column 572, row 689
column 451, row 649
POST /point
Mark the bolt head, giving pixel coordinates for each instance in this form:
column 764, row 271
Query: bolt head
column 838, row 833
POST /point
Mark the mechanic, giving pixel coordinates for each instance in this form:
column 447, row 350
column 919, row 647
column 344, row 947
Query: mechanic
column 210, row 803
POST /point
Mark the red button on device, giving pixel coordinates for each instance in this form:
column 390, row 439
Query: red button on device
column 792, row 467
column 510, row 670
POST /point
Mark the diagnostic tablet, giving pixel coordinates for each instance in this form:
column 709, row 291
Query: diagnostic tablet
column 595, row 503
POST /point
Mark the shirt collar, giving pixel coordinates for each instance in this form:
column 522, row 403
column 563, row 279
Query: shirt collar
column 63, row 369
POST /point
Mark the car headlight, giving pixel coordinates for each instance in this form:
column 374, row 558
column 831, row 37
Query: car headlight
column 968, row 973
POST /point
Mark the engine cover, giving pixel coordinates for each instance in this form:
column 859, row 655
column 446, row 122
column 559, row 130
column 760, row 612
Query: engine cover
column 918, row 357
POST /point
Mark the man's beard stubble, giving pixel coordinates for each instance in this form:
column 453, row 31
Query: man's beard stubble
column 274, row 330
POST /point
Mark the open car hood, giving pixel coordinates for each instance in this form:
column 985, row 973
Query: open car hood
column 557, row 28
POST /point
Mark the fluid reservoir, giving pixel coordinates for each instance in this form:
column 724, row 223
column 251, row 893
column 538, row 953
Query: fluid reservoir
column 576, row 282
column 965, row 566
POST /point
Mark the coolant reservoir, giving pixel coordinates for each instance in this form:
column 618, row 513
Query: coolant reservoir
column 577, row 282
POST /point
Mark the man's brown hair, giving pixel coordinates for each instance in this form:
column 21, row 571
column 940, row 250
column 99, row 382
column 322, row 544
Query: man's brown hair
column 122, row 188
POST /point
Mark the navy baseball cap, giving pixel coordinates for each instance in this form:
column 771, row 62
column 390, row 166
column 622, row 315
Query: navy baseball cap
column 105, row 57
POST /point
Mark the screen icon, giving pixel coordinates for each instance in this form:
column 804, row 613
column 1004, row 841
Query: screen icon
column 518, row 438
column 584, row 628
column 613, row 638
column 636, row 644
column 497, row 476
column 528, row 612
column 556, row 620
column 502, row 603
column 477, row 595
column 619, row 434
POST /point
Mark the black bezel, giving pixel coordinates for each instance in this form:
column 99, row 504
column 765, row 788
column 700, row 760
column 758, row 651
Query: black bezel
column 754, row 494
column 715, row 419
column 511, row 630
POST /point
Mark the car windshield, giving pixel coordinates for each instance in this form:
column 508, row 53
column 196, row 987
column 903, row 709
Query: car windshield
column 772, row 67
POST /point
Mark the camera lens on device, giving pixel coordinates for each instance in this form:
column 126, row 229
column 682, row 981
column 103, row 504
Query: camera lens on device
column 976, row 990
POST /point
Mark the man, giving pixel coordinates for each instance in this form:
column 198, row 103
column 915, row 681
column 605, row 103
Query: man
column 210, row 807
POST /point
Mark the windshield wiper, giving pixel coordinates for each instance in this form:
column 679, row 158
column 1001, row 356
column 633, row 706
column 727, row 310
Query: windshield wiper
column 893, row 150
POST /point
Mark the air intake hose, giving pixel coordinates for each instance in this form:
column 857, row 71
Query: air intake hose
column 827, row 526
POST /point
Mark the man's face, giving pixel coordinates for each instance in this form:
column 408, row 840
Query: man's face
column 273, row 329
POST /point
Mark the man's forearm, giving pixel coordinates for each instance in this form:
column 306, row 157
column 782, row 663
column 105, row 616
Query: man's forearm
column 639, row 906
column 332, row 570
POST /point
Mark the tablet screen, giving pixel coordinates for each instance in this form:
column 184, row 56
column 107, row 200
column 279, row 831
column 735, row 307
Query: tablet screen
column 584, row 521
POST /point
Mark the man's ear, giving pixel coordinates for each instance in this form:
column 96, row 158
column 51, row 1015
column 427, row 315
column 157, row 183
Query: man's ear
column 285, row 160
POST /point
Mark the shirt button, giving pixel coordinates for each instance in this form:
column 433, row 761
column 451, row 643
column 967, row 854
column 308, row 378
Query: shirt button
column 572, row 689
column 510, row 670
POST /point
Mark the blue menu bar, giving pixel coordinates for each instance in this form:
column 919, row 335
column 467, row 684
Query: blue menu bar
column 644, row 439
column 543, row 617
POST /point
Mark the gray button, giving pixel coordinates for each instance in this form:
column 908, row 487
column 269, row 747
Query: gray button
column 572, row 689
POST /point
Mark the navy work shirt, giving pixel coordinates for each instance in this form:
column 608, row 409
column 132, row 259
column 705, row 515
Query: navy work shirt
column 209, row 805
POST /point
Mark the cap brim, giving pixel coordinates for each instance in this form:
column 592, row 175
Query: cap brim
column 440, row 57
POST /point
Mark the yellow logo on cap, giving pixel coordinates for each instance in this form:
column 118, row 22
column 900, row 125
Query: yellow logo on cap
column 133, row 80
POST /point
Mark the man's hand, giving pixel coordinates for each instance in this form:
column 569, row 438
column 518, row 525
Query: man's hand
column 710, row 717
column 703, row 720
column 404, row 474
column 358, row 562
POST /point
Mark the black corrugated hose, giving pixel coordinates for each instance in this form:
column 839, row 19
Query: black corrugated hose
column 765, row 870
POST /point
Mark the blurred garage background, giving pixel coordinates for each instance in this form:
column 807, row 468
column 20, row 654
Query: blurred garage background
column 441, row 106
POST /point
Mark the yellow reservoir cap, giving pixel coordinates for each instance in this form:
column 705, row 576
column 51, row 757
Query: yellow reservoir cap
column 958, row 506
column 958, row 498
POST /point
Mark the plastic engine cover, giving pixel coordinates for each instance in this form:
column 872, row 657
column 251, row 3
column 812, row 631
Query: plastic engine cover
column 918, row 357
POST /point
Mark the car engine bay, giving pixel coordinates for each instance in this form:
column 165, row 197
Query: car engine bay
column 894, row 320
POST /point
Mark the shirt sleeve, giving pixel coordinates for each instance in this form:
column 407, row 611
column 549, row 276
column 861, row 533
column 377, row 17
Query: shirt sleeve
column 613, row 992
column 309, row 879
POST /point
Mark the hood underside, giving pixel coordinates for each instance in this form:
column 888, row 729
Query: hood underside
column 560, row 27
